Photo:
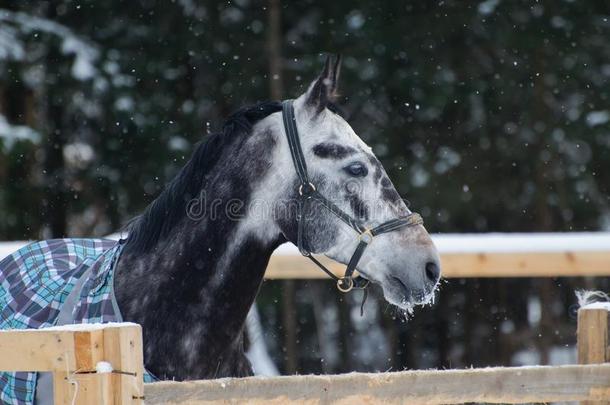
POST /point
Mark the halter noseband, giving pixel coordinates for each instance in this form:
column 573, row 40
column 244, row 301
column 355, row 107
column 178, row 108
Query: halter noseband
column 308, row 192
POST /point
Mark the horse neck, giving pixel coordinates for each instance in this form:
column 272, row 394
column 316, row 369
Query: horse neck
column 200, row 279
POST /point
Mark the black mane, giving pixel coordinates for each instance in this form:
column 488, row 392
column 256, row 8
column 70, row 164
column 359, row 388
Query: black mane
column 170, row 206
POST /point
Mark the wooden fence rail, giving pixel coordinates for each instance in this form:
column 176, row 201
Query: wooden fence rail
column 73, row 354
column 492, row 385
column 482, row 264
column 588, row 382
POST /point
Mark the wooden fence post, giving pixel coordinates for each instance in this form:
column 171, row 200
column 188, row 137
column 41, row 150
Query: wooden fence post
column 592, row 334
column 121, row 347
column 72, row 353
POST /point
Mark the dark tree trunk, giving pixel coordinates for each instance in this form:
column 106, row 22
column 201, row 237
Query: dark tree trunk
column 344, row 333
column 56, row 201
column 274, row 50
column 55, row 195
column 289, row 326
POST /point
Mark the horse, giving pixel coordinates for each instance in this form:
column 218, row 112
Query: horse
column 192, row 263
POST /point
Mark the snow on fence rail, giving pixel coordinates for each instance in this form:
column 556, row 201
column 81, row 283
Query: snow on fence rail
column 74, row 352
column 472, row 255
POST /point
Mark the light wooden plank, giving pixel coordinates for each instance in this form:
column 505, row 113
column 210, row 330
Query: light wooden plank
column 89, row 350
column 123, row 349
column 592, row 335
column 72, row 352
column 593, row 339
column 566, row 264
column 36, row 350
column 93, row 388
column 63, row 391
column 548, row 264
column 493, row 385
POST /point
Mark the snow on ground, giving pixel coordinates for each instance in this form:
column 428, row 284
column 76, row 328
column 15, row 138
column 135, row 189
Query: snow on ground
column 466, row 243
column 6, row 248
column 257, row 352
column 557, row 356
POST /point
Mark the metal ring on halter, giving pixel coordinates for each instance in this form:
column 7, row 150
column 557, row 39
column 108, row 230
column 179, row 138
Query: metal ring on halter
column 350, row 284
column 312, row 188
column 366, row 236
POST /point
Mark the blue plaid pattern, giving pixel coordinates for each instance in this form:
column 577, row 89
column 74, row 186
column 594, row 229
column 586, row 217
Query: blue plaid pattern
column 34, row 284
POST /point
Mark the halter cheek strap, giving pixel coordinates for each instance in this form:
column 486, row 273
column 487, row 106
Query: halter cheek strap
column 307, row 193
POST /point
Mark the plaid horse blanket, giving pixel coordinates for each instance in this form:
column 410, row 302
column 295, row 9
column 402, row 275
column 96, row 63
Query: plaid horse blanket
column 55, row 282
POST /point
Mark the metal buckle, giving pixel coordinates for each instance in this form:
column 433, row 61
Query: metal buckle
column 415, row 219
column 311, row 187
column 350, row 284
column 366, row 236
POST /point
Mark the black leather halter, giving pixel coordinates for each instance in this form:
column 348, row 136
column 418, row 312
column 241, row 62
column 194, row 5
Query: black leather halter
column 308, row 192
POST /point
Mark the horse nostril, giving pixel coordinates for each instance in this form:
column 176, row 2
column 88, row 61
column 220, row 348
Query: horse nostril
column 432, row 272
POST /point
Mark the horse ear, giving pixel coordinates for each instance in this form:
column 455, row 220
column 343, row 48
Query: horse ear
column 324, row 89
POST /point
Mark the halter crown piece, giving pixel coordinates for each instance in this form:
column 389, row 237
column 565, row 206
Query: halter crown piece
column 308, row 192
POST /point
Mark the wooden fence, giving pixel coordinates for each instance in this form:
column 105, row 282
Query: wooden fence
column 482, row 264
column 492, row 385
column 570, row 254
column 74, row 354
column 91, row 364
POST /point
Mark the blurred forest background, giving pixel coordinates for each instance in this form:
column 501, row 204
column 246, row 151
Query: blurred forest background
column 488, row 115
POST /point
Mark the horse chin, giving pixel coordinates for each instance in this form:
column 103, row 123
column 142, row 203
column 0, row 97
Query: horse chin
column 403, row 298
column 398, row 294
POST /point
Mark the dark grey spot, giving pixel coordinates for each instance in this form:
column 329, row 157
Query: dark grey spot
column 358, row 206
column 390, row 194
column 377, row 174
column 332, row 151
column 377, row 168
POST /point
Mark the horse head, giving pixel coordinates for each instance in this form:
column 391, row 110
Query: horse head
column 345, row 174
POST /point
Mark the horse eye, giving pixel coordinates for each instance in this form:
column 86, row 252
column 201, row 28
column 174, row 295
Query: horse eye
column 356, row 169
